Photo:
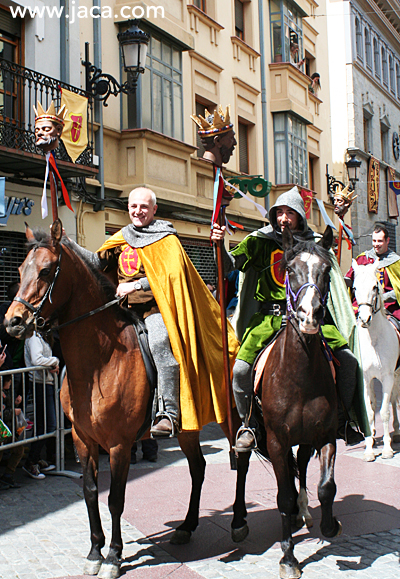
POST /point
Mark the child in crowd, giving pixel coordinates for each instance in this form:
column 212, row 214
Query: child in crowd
column 7, row 478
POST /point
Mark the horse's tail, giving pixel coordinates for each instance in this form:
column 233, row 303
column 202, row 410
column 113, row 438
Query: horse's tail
column 293, row 466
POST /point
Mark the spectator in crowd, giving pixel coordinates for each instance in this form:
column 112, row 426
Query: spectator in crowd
column 294, row 55
column 38, row 353
column 315, row 85
column 149, row 450
column 16, row 453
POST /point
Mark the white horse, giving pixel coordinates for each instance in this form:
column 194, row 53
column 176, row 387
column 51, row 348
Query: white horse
column 380, row 351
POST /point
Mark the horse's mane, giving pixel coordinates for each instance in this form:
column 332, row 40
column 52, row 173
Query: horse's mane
column 43, row 239
column 306, row 247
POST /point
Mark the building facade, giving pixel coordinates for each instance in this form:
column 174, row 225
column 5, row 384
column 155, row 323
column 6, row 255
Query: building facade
column 364, row 65
column 256, row 56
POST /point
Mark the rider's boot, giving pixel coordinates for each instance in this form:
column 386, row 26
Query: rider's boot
column 242, row 389
column 166, row 423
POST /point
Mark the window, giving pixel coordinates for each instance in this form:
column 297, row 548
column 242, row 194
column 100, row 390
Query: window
column 384, row 143
column 391, row 74
column 158, row 103
column 239, row 19
column 377, row 60
column 398, row 80
column 291, row 159
column 200, row 110
column 367, row 126
column 384, row 66
column 10, row 45
column 243, row 134
column 12, row 254
column 286, row 32
column 368, row 52
column 200, row 4
column 359, row 42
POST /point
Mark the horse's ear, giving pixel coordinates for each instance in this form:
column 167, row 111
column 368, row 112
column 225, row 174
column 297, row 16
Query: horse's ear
column 29, row 233
column 327, row 238
column 56, row 232
column 287, row 239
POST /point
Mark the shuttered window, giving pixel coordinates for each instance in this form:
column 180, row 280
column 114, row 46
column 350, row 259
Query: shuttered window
column 243, row 148
column 12, row 254
column 239, row 19
column 202, row 256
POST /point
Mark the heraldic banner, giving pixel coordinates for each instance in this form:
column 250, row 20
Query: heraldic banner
column 373, row 185
column 307, row 197
column 75, row 135
column 393, row 210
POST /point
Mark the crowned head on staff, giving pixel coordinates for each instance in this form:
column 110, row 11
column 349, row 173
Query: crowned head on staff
column 217, row 135
column 342, row 200
column 48, row 126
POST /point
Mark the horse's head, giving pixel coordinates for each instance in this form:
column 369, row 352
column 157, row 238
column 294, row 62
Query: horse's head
column 307, row 267
column 38, row 274
column 367, row 290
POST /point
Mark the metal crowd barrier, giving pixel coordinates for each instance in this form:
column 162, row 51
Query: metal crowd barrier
column 21, row 382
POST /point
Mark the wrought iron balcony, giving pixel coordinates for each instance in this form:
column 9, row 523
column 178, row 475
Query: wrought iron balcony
column 20, row 89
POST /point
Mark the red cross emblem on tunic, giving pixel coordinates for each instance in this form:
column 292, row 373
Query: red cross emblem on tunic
column 129, row 262
column 277, row 275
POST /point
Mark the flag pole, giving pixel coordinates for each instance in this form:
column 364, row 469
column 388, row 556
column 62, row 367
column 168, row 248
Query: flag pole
column 225, row 344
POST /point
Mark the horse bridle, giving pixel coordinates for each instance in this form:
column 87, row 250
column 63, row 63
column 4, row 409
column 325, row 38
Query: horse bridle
column 36, row 310
column 40, row 322
column 295, row 296
column 375, row 301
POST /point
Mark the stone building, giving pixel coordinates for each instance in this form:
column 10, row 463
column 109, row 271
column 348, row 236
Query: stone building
column 256, row 56
column 364, row 67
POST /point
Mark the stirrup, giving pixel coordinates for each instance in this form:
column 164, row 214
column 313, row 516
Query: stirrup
column 242, row 429
column 174, row 426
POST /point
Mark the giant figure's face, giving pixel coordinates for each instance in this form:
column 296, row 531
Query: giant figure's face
column 47, row 134
column 340, row 206
column 226, row 143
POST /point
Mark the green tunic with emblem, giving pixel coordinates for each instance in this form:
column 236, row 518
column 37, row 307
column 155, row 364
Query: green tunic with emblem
column 263, row 255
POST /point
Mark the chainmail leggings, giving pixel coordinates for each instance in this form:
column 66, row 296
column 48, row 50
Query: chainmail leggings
column 166, row 365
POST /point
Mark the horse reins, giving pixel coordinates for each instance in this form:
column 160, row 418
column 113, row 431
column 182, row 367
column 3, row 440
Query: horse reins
column 40, row 322
column 295, row 296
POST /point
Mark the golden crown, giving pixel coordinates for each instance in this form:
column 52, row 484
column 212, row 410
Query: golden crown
column 51, row 114
column 210, row 124
column 345, row 194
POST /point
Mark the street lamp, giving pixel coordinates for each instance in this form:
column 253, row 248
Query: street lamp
column 352, row 166
column 133, row 43
column 332, row 184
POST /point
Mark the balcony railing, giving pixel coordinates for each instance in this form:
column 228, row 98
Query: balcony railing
column 20, row 89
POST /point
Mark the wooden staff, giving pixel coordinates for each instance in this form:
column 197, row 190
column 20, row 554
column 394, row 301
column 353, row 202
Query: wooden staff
column 339, row 253
column 53, row 191
column 225, row 345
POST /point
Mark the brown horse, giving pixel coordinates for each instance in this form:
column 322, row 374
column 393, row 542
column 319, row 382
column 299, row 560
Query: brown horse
column 299, row 396
column 106, row 394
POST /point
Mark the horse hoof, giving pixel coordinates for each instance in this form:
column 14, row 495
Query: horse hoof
column 289, row 572
column 387, row 453
column 369, row 457
column 340, row 529
column 180, row 537
column 304, row 522
column 396, row 438
column 109, row 571
column 239, row 535
column 92, row 567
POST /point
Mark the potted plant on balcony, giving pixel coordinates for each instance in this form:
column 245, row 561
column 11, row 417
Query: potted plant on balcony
column 278, row 54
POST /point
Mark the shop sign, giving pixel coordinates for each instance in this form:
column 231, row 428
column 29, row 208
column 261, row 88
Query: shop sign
column 16, row 206
column 253, row 184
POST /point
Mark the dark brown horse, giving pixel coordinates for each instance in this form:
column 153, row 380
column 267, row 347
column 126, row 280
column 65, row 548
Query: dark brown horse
column 299, row 396
column 106, row 394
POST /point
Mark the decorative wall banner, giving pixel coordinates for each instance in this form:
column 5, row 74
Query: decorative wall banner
column 393, row 210
column 373, row 185
column 75, row 135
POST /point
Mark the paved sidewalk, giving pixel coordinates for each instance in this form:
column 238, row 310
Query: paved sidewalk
column 44, row 532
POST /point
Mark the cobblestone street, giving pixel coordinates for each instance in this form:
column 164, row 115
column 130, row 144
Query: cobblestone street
column 45, row 532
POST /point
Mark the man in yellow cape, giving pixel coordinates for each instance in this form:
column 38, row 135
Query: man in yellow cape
column 180, row 314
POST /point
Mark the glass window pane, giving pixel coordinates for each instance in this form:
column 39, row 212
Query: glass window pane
column 167, row 53
column 157, row 103
column 156, row 48
column 161, row 67
column 177, row 60
column 178, row 129
column 167, row 107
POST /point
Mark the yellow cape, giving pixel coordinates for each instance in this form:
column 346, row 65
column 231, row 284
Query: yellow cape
column 394, row 276
column 193, row 320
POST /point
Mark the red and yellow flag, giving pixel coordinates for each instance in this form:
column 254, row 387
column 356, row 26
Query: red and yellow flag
column 75, row 135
